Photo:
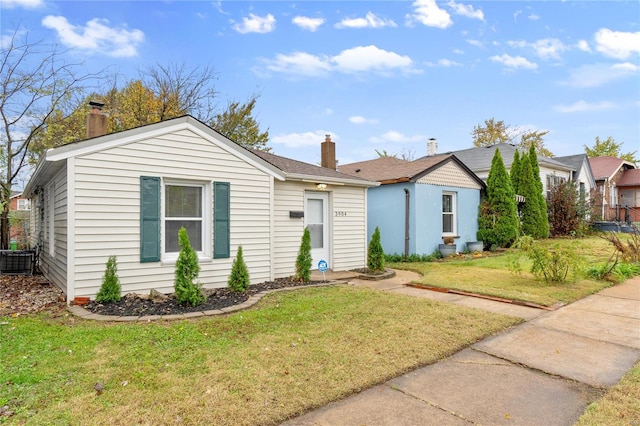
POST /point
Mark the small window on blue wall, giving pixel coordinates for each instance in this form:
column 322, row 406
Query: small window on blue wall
column 449, row 213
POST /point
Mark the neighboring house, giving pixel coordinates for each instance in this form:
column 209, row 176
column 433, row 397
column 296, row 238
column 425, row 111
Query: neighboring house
column 582, row 174
column 618, row 187
column 127, row 194
column 19, row 211
column 420, row 202
column 478, row 160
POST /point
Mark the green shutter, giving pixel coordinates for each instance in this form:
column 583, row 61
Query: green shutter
column 221, row 220
column 149, row 219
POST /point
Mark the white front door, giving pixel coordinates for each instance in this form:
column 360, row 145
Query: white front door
column 316, row 219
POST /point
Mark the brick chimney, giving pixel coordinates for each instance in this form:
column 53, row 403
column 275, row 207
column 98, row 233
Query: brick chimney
column 328, row 153
column 96, row 121
column 432, row 147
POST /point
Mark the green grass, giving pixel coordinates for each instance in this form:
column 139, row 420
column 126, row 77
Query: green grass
column 493, row 275
column 293, row 352
column 619, row 406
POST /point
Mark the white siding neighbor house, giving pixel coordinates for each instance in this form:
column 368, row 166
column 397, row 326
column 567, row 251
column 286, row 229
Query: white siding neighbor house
column 127, row 194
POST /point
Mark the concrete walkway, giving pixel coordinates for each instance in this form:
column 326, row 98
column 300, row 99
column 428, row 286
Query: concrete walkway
column 543, row 372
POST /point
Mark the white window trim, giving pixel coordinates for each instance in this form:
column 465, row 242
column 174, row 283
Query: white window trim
column 207, row 218
column 454, row 213
column 23, row 204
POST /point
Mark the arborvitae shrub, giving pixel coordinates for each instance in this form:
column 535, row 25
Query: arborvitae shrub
column 497, row 216
column 375, row 254
column 110, row 288
column 303, row 261
column 187, row 291
column 543, row 219
column 239, row 278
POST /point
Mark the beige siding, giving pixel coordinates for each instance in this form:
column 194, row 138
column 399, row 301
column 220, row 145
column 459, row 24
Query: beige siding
column 450, row 174
column 350, row 231
column 53, row 254
column 347, row 236
column 107, row 211
column 545, row 171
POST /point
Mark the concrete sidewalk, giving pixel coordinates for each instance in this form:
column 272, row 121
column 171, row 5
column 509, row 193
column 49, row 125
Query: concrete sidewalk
column 543, row 372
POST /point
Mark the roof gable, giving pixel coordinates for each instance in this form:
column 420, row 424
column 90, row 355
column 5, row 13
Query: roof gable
column 605, row 167
column 630, row 177
column 389, row 170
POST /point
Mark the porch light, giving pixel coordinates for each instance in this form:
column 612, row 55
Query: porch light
column 321, row 186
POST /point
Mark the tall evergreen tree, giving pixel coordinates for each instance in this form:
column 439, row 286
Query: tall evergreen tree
column 543, row 218
column 498, row 219
column 530, row 209
column 515, row 172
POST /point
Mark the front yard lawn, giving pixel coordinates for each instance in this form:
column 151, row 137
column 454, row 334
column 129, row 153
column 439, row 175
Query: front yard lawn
column 492, row 275
column 292, row 352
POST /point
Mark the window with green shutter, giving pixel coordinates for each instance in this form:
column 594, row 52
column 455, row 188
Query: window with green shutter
column 149, row 219
column 221, row 220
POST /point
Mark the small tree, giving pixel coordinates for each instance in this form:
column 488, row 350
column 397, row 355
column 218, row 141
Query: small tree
column 530, row 210
column 188, row 292
column 375, row 254
column 543, row 219
column 565, row 209
column 515, row 173
column 239, row 278
column 303, row 261
column 110, row 288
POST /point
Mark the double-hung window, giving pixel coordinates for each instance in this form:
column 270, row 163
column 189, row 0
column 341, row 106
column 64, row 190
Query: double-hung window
column 184, row 207
column 24, row 204
column 449, row 213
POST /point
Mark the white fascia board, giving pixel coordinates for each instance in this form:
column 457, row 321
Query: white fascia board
column 331, row 180
column 159, row 129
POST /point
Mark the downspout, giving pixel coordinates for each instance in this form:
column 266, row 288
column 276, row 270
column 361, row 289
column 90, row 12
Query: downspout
column 407, row 196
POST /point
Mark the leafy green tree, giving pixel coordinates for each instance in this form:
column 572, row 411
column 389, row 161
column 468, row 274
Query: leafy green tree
column 303, row 261
column 498, row 220
column 495, row 132
column 110, row 288
column 609, row 148
column 543, row 219
column 568, row 211
column 239, row 278
column 188, row 292
column 375, row 253
column 238, row 124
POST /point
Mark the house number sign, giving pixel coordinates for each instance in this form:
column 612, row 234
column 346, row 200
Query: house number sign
column 339, row 213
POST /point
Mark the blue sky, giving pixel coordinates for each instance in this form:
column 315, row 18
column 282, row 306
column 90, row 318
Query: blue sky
column 377, row 75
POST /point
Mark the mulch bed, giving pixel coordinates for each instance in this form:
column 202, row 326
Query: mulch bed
column 138, row 305
column 21, row 295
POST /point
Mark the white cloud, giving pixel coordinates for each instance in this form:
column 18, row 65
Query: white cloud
column 297, row 140
column 533, row 17
column 393, row 136
column 582, row 106
column 370, row 58
column 514, row 62
column 444, row 63
column 27, row 4
column 516, row 14
column 307, row 23
column 548, row 48
column 256, row 24
column 617, row 44
column 328, row 111
column 595, row 75
column 96, row 37
column 458, row 51
column 359, row 59
column 583, row 45
column 358, row 119
column 300, row 63
column 369, row 21
column 476, row 43
column 466, row 10
column 427, row 12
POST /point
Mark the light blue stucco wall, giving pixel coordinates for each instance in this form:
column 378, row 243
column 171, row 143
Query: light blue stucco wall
column 386, row 209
